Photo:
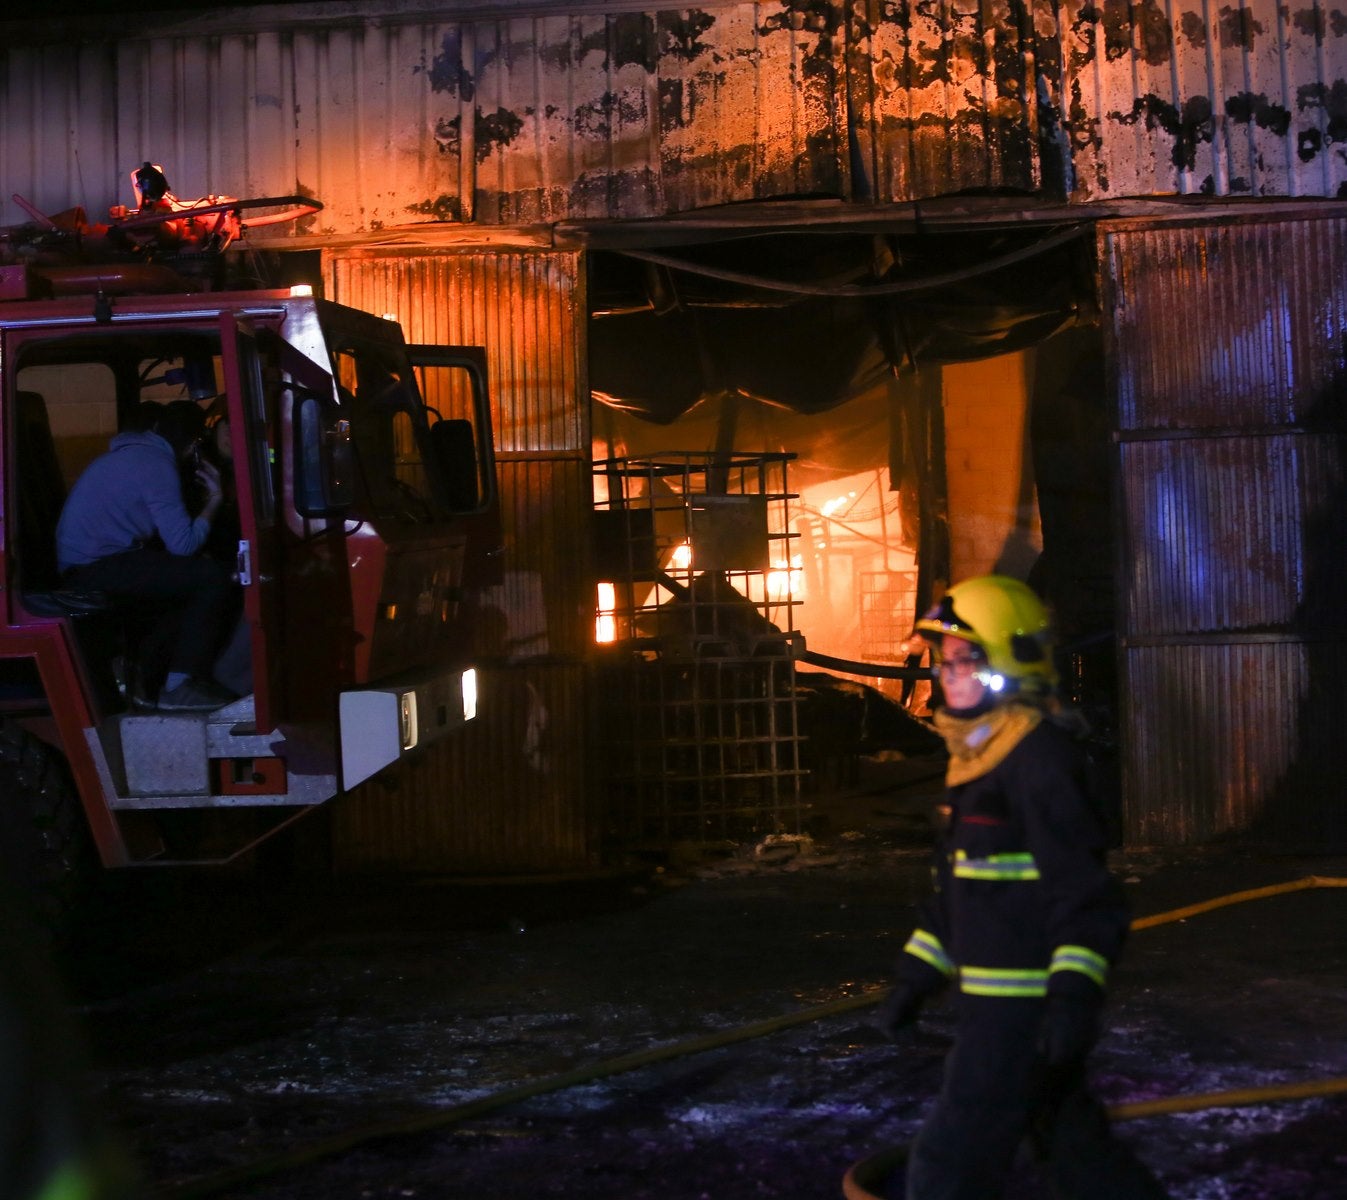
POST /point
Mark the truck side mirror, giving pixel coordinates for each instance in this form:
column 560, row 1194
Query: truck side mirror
column 454, row 444
column 324, row 467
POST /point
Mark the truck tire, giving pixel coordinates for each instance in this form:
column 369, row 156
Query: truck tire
column 44, row 845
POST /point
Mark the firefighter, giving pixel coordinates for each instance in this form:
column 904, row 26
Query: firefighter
column 1024, row 921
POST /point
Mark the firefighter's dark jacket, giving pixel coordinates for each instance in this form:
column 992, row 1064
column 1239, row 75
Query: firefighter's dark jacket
column 1023, row 902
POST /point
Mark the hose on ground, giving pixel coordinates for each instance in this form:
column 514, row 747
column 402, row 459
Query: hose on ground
column 1307, row 1089
column 440, row 1118
column 1262, row 893
column 873, row 1171
column 861, row 1180
column 870, row 1169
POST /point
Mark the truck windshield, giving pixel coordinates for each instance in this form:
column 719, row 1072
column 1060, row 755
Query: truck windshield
column 388, row 432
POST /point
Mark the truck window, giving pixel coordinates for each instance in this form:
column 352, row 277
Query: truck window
column 387, row 435
column 64, row 416
column 451, row 400
column 79, row 401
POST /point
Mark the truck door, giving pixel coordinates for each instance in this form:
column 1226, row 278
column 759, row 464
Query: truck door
column 453, row 384
column 251, row 439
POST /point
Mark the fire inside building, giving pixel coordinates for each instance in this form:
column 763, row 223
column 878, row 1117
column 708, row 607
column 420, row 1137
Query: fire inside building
column 610, row 389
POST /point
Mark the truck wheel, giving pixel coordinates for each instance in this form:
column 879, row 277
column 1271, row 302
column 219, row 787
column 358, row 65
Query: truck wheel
column 44, row 845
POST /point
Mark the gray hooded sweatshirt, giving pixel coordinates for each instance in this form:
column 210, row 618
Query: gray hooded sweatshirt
column 122, row 500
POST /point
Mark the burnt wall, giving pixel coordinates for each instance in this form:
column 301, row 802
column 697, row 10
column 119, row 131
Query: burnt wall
column 396, row 115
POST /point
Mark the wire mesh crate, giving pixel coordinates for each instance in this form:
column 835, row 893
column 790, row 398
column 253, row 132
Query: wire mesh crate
column 695, row 625
column 888, row 614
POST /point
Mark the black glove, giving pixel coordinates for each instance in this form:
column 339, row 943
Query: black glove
column 899, row 1009
column 1070, row 1028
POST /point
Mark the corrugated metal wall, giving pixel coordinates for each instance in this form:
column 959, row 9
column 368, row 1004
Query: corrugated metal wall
column 510, row 793
column 393, row 118
column 1228, row 352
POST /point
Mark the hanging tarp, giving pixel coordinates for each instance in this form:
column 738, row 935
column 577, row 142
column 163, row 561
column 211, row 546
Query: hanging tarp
column 807, row 322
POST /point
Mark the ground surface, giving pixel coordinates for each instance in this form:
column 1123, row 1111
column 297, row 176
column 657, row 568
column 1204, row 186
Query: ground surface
column 230, row 1023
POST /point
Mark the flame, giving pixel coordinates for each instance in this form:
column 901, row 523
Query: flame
column 605, row 623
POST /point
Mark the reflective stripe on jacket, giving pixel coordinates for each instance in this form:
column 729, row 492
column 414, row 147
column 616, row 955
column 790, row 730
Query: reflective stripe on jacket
column 1007, row 981
column 995, row 866
column 1023, row 902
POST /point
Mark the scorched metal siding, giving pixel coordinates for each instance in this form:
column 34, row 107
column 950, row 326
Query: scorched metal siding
column 1223, row 529
column 552, row 113
column 523, row 307
column 1261, row 307
column 1213, row 756
column 1228, row 353
column 513, row 793
column 507, row 794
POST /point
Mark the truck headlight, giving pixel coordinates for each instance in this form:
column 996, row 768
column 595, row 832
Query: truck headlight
column 407, row 720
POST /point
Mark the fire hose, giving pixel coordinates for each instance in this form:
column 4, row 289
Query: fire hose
column 870, row 1172
column 857, row 1179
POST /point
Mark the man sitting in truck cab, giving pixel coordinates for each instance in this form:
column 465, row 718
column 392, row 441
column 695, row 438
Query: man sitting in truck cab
column 125, row 530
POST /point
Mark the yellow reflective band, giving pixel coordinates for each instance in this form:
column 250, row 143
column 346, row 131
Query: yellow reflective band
column 926, row 946
column 1002, row 981
column 1083, row 959
column 1018, row 866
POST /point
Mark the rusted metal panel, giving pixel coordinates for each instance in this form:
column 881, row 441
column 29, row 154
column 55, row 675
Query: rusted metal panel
column 539, row 113
column 545, row 604
column 1223, row 531
column 521, row 306
column 1261, row 340
column 1233, row 484
column 502, row 120
column 1229, row 739
column 365, row 140
column 505, row 794
column 1097, row 101
column 512, row 793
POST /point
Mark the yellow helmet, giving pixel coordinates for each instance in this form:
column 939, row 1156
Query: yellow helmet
column 1007, row 621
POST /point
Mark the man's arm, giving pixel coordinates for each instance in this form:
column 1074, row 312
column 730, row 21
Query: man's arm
column 180, row 532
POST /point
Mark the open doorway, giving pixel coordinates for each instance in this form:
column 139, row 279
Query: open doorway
column 939, row 396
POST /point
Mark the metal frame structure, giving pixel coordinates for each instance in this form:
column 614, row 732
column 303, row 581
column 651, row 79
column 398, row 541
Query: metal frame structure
column 888, row 613
column 698, row 716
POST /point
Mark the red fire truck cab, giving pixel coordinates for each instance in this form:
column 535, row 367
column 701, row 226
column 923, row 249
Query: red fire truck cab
column 363, row 476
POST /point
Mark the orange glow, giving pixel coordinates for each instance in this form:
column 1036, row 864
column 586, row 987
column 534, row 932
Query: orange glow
column 605, row 623
column 785, row 580
column 836, row 503
column 681, row 560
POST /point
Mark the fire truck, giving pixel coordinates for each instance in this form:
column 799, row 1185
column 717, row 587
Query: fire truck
column 362, row 474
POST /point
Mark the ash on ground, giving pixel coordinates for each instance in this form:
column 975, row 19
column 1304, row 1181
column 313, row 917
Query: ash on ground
column 301, row 1028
